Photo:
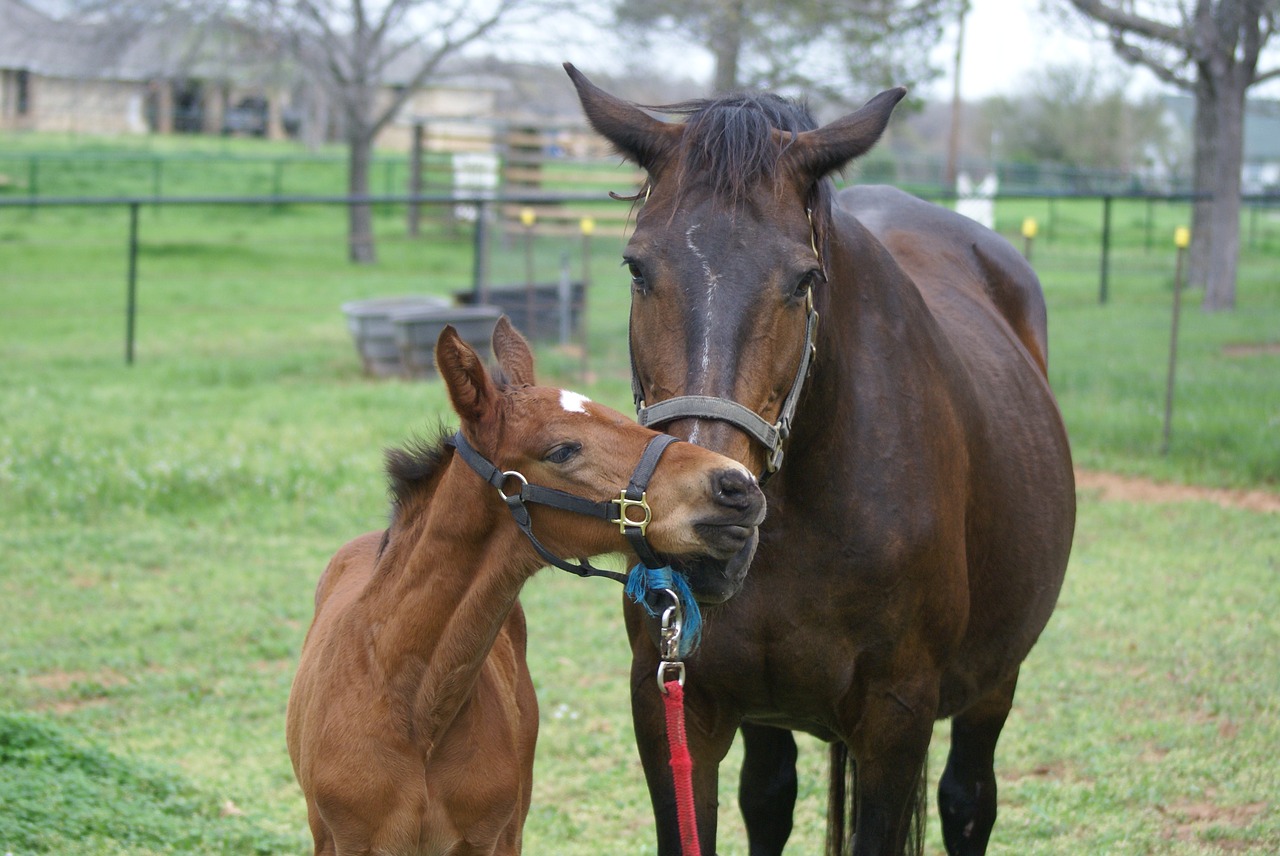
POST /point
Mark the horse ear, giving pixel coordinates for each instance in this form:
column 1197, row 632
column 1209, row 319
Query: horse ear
column 471, row 390
column 827, row 149
column 634, row 133
column 513, row 353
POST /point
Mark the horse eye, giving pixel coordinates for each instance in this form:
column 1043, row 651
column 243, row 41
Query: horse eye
column 637, row 276
column 807, row 282
column 562, row 453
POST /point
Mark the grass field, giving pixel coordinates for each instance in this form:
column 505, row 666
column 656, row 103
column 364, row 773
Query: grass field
column 164, row 525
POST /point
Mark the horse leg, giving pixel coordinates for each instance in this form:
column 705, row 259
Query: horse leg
column 967, row 789
column 891, row 745
column 709, row 736
column 767, row 787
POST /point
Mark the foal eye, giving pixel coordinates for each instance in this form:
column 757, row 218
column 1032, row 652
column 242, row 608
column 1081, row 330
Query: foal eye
column 562, row 453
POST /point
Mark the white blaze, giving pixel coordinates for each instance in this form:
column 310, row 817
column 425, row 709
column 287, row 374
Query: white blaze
column 572, row 402
column 713, row 279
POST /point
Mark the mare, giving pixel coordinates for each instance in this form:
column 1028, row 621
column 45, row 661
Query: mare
column 920, row 522
column 412, row 718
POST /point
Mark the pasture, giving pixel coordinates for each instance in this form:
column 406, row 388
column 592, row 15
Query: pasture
column 164, row 526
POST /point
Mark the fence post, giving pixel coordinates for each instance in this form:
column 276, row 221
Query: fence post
column 131, row 308
column 1181, row 239
column 1106, row 248
column 480, row 267
column 414, row 212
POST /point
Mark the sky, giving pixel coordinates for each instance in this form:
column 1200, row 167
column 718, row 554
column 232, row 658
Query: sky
column 1006, row 41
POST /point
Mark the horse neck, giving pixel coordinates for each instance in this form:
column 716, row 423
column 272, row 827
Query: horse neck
column 865, row 311
column 444, row 587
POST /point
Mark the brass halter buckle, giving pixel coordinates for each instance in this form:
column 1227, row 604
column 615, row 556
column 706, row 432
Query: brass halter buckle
column 625, row 521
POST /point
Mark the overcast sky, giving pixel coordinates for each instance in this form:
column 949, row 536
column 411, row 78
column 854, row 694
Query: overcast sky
column 1006, row 41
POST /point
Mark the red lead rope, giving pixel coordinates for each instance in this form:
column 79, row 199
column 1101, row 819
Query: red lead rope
column 681, row 768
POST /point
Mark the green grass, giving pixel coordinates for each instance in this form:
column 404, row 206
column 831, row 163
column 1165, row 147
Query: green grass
column 164, row 526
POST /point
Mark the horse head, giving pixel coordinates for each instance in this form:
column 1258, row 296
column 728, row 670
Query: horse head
column 730, row 245
column 700, row 509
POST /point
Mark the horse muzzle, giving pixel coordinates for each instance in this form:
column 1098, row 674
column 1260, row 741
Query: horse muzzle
column 729, row 532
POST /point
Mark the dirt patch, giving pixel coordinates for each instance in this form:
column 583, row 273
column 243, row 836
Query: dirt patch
column 1252, row 349
column 1190, row 820
column 60, row 681
column 1111, row 487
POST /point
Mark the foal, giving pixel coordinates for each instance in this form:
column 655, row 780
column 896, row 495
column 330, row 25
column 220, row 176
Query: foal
column 412, row 719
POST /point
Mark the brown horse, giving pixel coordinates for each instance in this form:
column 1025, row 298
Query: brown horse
column 412, row 719
column 919, row 527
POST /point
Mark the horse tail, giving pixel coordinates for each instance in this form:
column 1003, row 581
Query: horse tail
column 842, row 800
column 919, row 812
column 842, row 805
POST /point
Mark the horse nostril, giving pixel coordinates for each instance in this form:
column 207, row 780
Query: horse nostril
column 733, row 488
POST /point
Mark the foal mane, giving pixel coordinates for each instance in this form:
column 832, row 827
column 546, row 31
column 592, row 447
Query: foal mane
column 413, row 468
column 728, row 141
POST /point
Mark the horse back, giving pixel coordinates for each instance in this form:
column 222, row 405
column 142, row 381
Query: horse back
column 939, row 248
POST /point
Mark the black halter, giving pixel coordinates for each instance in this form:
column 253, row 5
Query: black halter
column 772, row 437
column 617, row 511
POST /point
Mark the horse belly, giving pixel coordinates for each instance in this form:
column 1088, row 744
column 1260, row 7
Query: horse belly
column 1021, row 520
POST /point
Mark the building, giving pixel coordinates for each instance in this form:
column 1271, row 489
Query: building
column 210, row 77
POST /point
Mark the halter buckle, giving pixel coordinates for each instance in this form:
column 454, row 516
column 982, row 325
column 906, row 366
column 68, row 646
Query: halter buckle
column 624, row 521
column 511, row 474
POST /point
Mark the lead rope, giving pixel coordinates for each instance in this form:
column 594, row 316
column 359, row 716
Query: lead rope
column 677, row 743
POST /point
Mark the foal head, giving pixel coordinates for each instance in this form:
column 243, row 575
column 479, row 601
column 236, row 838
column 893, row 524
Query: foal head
column 728, row 248
column 705, row 507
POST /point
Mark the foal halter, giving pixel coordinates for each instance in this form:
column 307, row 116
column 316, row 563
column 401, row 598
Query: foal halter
column 621, row 511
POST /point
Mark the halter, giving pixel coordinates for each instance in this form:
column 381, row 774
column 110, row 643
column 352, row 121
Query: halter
column 622, row 511
column 772, row 437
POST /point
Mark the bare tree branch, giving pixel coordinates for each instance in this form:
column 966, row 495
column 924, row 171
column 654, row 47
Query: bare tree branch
column 1119, row 19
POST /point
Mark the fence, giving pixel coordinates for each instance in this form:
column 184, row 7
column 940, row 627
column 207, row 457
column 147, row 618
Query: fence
column 1081, row 239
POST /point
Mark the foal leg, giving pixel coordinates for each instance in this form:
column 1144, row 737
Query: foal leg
column 767, row 787
column 967, row 789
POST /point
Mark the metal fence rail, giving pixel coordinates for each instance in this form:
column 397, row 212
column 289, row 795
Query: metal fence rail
column 1261, row 229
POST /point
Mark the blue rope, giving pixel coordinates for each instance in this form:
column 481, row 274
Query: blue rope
column 644, row 580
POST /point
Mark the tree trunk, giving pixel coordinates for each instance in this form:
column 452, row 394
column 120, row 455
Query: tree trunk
column 1205, row 147
column 1224, row 248
column 360, row 215
column 726, row 45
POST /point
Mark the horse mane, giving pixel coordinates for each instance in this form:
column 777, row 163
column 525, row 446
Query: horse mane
column 728, row 141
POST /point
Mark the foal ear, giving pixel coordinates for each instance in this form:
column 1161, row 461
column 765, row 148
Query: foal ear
column 471, row 390
column 827, row 149
column 513, row 353
column 636, row 135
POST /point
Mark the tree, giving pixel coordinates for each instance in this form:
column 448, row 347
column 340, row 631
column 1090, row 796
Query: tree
column 818, row 46
column 348, row 48
column 1081, row 119
column 1213, row 49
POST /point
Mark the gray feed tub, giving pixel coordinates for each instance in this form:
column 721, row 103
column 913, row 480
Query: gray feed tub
column 417, row 330
column 375, row 336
